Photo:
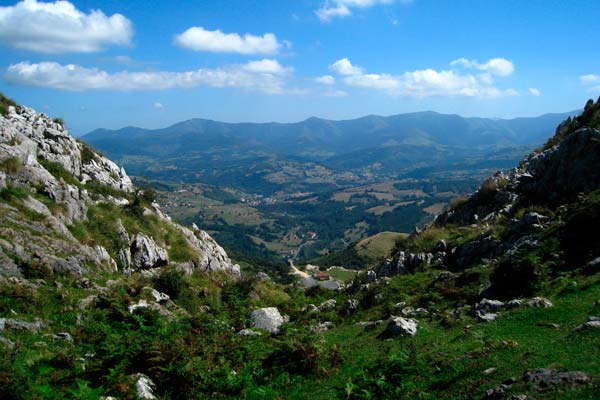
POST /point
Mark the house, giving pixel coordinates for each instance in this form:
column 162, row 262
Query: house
column 321, row 275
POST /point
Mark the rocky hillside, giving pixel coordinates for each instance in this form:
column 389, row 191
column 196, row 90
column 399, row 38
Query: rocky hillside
column 550, row 197
column 67, row 209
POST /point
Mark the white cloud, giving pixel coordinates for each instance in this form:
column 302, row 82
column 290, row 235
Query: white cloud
column 266, row 76
column 59, row 27
column 374, row 81
column 267, row 66
column 422, row 83
column 199, row 39
column 158, row 106
column 325, row 80
column 327, row 13
column 345, row 67
column 494, row 66
column 591, row 78
column 534, row 92
column 343, row 8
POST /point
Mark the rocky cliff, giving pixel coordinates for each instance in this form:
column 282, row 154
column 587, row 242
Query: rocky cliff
column 66, row 208
column 545, row 207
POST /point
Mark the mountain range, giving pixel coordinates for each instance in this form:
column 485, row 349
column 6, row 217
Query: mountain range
column 201, row 149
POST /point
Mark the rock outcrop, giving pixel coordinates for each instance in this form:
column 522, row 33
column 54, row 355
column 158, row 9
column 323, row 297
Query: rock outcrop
column 40, row 158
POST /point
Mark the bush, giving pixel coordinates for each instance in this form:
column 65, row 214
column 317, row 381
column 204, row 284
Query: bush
column 516, row 276
column 5, row 102
column 578, row 239
column 170, row 282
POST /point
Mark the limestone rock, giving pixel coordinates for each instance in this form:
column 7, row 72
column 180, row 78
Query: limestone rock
column 322, row 327
column 144, row 387
column 398, row 326
column 267, row 319
column 350, row 306
column 248, row 333
column 146, row 254
column 547, row 377
column 327, row 305
column 540, row 302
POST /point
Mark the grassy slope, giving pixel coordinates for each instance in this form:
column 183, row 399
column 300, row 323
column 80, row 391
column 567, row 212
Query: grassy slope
column 441, row 365
column 379, row 245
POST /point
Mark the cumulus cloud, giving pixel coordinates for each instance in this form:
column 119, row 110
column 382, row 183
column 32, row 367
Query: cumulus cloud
column 325, row 80
column 534, row 92
column 59, row 27
column 199, row 39
column 494, row 66
column 423, row 83
column 158, row 106
column 266, row 76
column 345, row 67
column 343, row 8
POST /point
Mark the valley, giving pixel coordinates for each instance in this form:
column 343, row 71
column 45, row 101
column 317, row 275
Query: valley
column 308, row 190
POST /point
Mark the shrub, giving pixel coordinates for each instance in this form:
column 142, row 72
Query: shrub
column 170, row 282
column 5, row 102
column 516, row 276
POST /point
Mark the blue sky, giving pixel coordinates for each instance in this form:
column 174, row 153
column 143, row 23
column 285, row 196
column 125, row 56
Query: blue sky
column 153, row 63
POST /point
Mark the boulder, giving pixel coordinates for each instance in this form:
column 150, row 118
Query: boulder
column 146, row 254
column 486, row 316
column 486, row 305
column 540, row 302
column 413, row 312
column 144, row 387
column 350, row 306
column 248, row 333
column 322, row 327
column 327, row 305
column 398, row 326
column 267, row 319
column 370, row 276
column 543, row 378
column 592, row 323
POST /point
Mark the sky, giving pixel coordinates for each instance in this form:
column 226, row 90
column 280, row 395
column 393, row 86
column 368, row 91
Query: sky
column 109, row 64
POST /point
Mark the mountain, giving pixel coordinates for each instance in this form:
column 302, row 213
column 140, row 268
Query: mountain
column 102, row 296
column 212, row 151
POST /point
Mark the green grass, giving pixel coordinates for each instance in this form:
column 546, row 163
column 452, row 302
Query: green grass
column 379, row 245
column 343, row 275
column 440, row 352
column 59, row 172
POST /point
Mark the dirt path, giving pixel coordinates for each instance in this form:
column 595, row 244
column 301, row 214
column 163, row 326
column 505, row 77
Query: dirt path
column 296, row 271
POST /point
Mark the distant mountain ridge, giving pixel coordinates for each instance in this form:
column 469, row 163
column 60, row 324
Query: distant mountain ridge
column 207, row 151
